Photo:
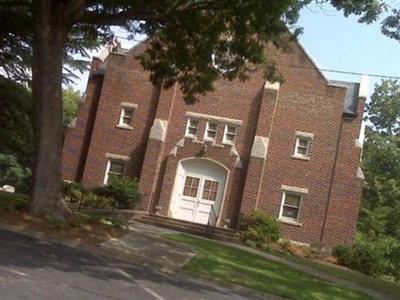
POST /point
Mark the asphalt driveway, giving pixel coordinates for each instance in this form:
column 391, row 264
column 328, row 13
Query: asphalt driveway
column 36, row 269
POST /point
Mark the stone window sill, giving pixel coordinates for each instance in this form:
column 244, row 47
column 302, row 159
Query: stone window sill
column 290, row 222
column 191, row 137
column 228, row 144
column 124, row 127
column 300, row 157
column 197, row 141
column 217, row 145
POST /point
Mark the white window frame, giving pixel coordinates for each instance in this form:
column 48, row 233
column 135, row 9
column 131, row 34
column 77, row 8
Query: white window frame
column 187, row 134
column 114, row 158
column 106, row 175
column 210, row 139
column 303, row 135
column 290, row 220
column 125, row 106
column 225, row 140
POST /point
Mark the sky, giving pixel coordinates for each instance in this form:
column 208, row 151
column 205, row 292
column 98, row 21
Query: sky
column 336, row 43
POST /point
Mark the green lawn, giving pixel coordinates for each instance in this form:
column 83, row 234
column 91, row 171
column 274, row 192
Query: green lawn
column 236, row 266
column 377, row 284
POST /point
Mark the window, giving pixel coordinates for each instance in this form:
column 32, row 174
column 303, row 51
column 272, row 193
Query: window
column 230, row 134
column 114, row 169
column 290, row 208
column 210, row 190
column 192, row 128
column 125, row 119
column 191, row 186
column 126, row 116
column 211, row 131
column 303, row 145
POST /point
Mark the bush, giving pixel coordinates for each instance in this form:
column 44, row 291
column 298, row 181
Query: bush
column 95, row 201
column 13, row 173
column 344, row 255
column 379, row 257
column 123, row 190
column 367, row 259
column 260, row 229
column 73, row 191
column 117, row 223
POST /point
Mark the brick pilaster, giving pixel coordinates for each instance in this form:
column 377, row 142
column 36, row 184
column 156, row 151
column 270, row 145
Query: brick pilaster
column 155, row 149
column 259, row 151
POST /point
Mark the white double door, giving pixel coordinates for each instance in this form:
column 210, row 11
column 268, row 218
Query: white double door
column 196, row 198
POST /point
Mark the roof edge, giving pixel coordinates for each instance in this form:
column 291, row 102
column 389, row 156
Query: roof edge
column 312, row 60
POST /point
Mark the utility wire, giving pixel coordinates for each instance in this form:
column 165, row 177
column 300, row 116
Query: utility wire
column 357, row 73
column 349, row 72
column 325, row 70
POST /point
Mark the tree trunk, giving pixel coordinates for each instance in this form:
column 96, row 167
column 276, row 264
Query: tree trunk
column 50, row 34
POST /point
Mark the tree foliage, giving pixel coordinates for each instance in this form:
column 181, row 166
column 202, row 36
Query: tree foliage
column 384, row 108
column 16, row 121
column 187, row 40
column 381, row 163
column 377, row 248
column 71, row 99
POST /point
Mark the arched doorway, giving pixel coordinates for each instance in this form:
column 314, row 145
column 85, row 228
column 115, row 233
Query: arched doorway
column 199, row 186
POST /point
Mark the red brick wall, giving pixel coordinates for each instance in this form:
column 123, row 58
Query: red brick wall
column 77, row 138
column 344, row 203
column 306, row 103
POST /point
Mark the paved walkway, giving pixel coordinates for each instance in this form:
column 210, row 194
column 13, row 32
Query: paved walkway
column 143, row 244
column 171, row 253
column 33, row 268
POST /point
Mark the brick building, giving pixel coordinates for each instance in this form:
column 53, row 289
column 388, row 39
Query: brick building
column 291, row 149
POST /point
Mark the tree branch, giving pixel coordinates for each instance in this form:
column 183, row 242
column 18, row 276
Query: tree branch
column 132, row 14
column 117, row 19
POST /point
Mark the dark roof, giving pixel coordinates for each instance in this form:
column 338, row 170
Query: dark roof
column 351, row 97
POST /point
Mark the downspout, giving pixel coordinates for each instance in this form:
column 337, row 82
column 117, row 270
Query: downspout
column 333, row 173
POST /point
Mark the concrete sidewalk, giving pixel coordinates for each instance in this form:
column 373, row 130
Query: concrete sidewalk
column 144, row 245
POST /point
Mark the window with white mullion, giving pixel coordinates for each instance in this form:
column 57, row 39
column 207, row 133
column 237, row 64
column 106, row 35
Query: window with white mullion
column 230, row 134
column 290, row 207
column 115, row 168
column 192, row 128
column 126, row 116
column 302, row 146
column 211, row 131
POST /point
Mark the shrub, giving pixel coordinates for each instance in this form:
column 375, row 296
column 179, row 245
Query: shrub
column 118, row 223
column 95, row 201
column 344, row 255
column 368, row 259
column 123, row 190
column 379, row 257
column 11, row 202
column 73, row 191
column 13, row 173
column 260, row 229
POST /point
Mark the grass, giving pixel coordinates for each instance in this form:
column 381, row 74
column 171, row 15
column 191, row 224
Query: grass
column 377, row 284
column 235, row 266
